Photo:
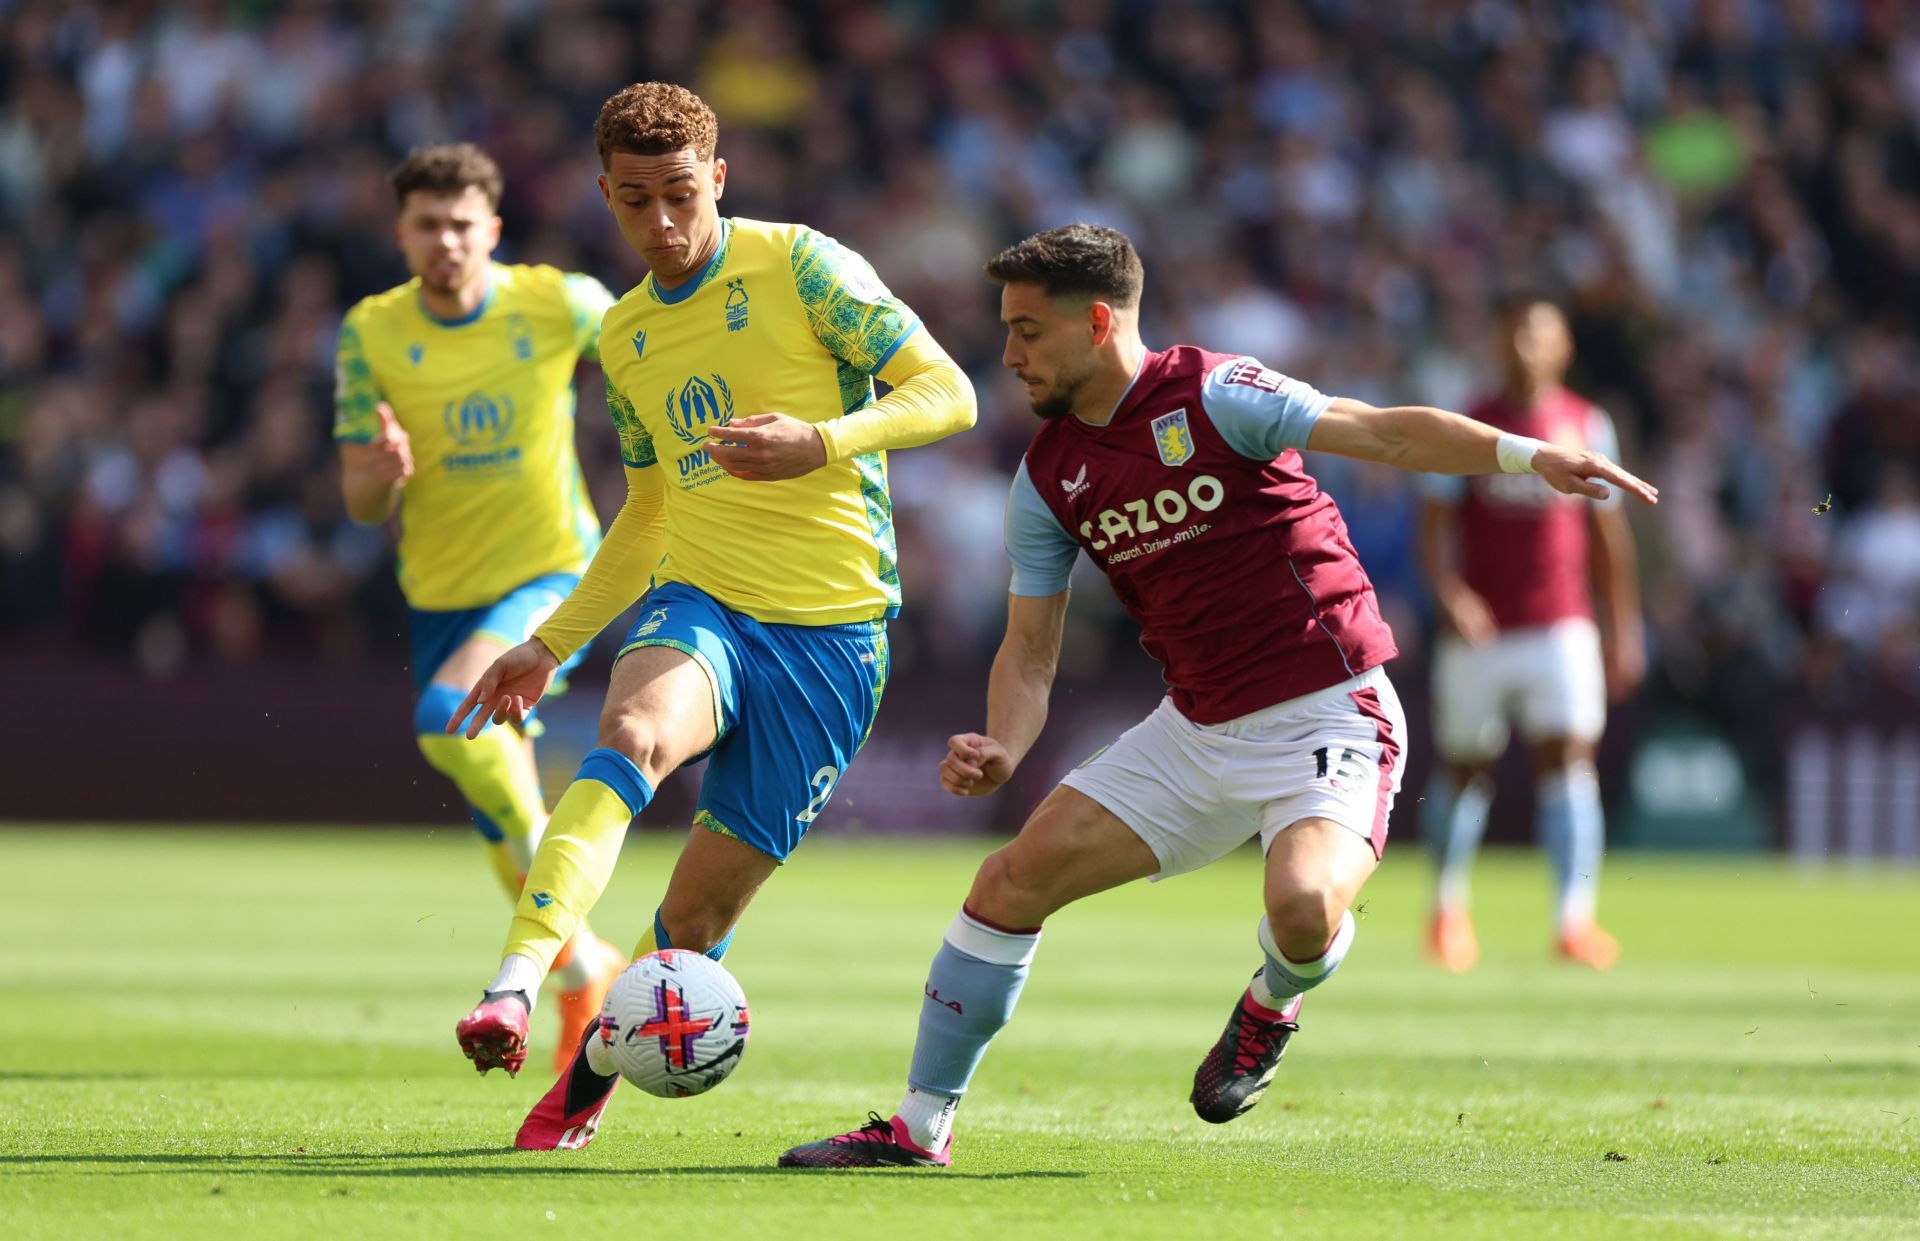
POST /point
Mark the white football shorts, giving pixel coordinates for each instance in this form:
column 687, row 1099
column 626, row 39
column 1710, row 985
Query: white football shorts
column 1195, row 792
column 1549, row 678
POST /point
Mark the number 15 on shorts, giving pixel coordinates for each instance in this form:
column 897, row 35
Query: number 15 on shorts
column 1346, row 767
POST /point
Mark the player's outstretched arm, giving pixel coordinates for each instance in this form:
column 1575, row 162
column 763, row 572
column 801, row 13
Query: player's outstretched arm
column 1022, row 677
column 1417, row 437
column 621, row 569
column 620, row 572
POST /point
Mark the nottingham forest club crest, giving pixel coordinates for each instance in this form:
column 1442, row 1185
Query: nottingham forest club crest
column 1172, row 438
column 737, row 304
column 520, row 336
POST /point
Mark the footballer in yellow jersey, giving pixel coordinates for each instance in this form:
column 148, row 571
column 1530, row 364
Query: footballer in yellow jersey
column 485, row 400
column 757, row 527
column 455, row 409
column 780, row 318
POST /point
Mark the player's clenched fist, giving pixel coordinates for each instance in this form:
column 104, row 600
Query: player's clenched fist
column 974, row 765
column 391, row 458
column 374, row 471
column 510, row 687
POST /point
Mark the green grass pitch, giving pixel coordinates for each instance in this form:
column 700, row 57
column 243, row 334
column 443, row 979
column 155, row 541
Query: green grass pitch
column 211, row 1034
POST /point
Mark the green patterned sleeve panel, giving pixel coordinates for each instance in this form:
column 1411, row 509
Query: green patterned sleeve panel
column 355, row 391
column 849, row 309
column 587, row 302
column 636, row 445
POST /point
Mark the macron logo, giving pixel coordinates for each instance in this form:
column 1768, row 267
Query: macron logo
column 1075, row 485
column 541, row 900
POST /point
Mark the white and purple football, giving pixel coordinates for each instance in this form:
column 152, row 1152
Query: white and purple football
column 674, row 1024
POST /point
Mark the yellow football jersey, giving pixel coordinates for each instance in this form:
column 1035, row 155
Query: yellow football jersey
column 781, row 320
column 496, row 498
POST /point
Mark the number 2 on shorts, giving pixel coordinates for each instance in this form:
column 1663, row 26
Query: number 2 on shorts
column 822, row 782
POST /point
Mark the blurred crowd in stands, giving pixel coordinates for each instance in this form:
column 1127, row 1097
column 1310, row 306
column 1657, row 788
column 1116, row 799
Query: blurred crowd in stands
column 1724, row 195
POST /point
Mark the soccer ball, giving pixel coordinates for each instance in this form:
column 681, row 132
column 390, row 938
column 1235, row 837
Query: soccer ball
column 674, row 1024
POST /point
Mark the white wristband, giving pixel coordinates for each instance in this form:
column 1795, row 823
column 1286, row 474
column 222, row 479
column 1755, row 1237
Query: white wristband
column 1515, row 453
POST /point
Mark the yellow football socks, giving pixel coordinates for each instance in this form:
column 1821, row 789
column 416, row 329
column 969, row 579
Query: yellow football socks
column 502, row 793
column 577, row 854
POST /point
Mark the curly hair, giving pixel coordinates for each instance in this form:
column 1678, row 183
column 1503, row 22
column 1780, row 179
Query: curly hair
column 1078, row 260
column 655, row 118
column 448, row 169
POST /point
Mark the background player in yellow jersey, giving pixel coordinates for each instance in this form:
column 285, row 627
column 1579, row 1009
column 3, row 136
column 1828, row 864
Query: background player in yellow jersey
column 455, row 408
column 757, row 524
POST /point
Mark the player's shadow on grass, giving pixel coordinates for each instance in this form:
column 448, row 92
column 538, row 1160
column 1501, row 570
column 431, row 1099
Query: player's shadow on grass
column 384, row 1165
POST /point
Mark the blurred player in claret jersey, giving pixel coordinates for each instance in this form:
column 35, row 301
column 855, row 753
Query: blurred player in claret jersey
column 1179, row 474
column 759, row 530
column 455, row 409
column 1510, row 561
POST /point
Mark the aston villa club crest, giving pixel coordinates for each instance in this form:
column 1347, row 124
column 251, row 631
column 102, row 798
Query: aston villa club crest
column 1172, row 438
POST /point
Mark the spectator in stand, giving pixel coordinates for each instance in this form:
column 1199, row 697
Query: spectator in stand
column 1727, row 202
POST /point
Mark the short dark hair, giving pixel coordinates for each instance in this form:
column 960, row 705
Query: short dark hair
column 1078, row 260
column 448, row 168
column 655, row 118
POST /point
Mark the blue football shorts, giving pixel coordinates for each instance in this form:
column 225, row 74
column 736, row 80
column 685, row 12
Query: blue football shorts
column 792, row 705
column 433, row 637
